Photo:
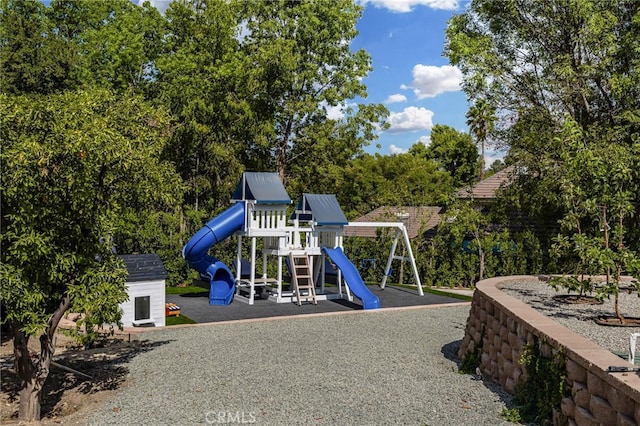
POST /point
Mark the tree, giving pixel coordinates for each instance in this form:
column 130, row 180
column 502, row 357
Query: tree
column 481, row 119
column 73, row 165
column 34, row 58
column 117, row 42
column 297, row 63
column 197, row 79
column 544, row 63
column 454, row 152
column 371, row 181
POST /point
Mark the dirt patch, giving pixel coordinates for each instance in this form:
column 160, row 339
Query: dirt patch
column 68, row 396
column 615, row 321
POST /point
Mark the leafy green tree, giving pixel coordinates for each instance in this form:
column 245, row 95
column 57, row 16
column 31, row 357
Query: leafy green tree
column 34, row 58
column 371, row 181
column 481, row 120
column 324, row 149
column 74, row 165
column 297, row 62
column 197, row 74
column 117, row 42
column 454, row 152
column 549, row 66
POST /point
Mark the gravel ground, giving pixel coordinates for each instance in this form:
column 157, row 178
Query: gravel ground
column 381, row 367
column 580, row 317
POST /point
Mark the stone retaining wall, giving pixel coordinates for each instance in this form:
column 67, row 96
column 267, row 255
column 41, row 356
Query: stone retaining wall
column 597, row 397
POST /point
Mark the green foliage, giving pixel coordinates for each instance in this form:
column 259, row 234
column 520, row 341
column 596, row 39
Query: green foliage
column 466, row 248
column 34, row 57
column 178, row 320
column 369, row 182
column 454, row 152
column 511, row 415
column 541, row 394
column 74, row 165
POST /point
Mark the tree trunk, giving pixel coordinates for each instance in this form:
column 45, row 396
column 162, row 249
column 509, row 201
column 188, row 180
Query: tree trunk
column 34, row 372
column 281, row 159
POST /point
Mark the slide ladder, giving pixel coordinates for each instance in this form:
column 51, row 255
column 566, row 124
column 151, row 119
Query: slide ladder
column 301, row 278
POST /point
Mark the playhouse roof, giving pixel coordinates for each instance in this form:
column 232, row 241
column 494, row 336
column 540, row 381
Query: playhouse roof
column 324, row 208
column 144, row 267
column 262, row 187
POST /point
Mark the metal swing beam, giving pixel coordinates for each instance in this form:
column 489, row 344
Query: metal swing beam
column 401, row 229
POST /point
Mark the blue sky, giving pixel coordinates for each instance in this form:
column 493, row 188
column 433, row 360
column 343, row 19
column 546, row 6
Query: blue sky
column 405, row 39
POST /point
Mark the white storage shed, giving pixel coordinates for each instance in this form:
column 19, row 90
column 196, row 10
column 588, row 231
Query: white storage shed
column 146, row 287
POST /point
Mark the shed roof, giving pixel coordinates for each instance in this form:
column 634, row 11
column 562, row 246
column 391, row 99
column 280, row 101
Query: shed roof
column 144, row 267
column 261, row 187
column 487, row 188
column 324, row 209
column 420, row 219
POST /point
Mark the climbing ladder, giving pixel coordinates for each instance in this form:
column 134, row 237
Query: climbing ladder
column 302, row 278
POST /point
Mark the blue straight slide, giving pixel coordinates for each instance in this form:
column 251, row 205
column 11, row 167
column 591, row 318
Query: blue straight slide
column 221, row 279
column 353, row 278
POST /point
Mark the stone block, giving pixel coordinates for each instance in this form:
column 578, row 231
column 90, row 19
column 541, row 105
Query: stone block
column 482, row 316
column 575, row 372
column 485, row 361
column 509, row 385
column 504, row 332
column 602, row 411
column 489, row 308
column 507, row 367
column 620, row 402
column 505, row 349
column 568, row 407
column 624, row 420
column 580, row 394
column 596, row 385
column 511, row 324
column 513, row 340
column 584, row 418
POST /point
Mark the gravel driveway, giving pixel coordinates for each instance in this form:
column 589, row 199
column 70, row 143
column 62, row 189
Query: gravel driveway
column 379, row 367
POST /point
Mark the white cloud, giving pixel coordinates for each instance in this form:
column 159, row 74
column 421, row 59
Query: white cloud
column 403, row 6
column 429, row 81
column 398, row 97
column 491, row 156
column 410, row 120
column 393, row 149
column 335, row 112
column 426, row 140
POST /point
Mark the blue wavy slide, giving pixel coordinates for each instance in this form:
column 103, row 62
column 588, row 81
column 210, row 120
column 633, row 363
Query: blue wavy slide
column 353, row 278
column 221, row 279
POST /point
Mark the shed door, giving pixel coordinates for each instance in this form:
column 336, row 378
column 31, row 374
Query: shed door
column 142, row 308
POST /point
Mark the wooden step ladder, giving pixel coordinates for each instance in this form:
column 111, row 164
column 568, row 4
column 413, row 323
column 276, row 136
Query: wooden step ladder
column 301, row 278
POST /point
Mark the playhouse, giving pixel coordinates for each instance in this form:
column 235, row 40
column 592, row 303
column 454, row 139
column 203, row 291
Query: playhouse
column 308, row 245
column 145, row 284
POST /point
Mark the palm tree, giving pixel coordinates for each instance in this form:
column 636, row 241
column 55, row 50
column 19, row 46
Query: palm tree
column 481, row 118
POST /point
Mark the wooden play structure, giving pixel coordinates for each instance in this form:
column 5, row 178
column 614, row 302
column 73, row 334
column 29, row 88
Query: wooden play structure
column 307, row 244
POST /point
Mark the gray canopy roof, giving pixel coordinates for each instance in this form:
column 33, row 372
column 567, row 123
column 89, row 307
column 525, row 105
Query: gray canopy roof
column 144, row 267
column 261, row 187
column 323, row 209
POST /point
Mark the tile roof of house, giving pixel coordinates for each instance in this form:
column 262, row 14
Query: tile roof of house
column 420, row 220
column 487, row 188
